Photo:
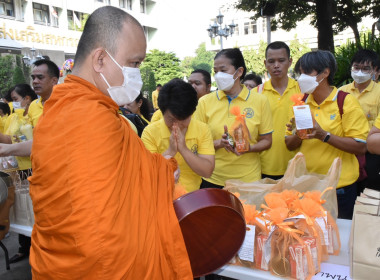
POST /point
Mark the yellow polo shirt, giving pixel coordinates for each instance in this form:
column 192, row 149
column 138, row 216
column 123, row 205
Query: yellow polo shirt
column 154, row 99
column 369, row 99
column 156, row 116
column 35, row 111
column 3, row 120
column 377, row 122
column 353, row 124
column 156, row 138
column 11, row 127
column 214, row 109
column 275, row 160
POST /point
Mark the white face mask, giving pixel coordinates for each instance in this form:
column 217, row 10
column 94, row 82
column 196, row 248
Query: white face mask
column 16, row 105
column 308, row 83
column 360, row 77
column 130, row 89
column 224, row 81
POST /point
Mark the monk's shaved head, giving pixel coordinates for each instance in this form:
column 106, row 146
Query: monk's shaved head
column 102, row 29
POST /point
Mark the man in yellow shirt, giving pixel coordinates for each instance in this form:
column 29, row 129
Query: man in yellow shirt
column 178, row 135
column 155, row 96
column 367, row 92
column 45, row 75
column 278, row 90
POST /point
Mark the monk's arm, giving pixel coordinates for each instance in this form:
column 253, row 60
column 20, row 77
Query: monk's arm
column 22, row 149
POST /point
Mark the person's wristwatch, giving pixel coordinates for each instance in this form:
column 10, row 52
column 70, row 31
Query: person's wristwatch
column 327, row 137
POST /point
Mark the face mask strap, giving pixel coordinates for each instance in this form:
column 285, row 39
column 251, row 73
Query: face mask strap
column 105, row 80
column 114, row 60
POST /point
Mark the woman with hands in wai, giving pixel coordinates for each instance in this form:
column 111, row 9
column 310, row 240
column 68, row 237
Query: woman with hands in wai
column 180, row 136
column 337, row 132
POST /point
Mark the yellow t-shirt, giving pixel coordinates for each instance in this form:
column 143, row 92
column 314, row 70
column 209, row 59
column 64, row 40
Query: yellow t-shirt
column 12, row 125
column 377, row 122
column 369, row 99
column 353, row 124
column 35, row 111
column 154, row 99
column 156, row 138
column 3, row 120
column 275, row 160
column 214, row 109
column 156, row 116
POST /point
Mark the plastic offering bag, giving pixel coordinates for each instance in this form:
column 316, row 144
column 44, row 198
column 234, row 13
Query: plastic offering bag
column 239, row 131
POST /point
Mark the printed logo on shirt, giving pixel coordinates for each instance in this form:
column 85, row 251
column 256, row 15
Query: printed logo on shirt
column 249, row 112
column 332, row 117
column 194, row 149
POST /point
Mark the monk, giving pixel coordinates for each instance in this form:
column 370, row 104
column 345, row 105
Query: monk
column 103, row 203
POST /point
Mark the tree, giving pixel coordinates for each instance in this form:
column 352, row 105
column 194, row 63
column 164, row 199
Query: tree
column 6, row 74
column 149, row 83
column 18, row 76
column 165, row 66
column 203, row 60
column 297, row 49
column 328, row 16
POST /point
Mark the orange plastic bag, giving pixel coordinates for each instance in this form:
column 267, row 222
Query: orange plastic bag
column 239, row 131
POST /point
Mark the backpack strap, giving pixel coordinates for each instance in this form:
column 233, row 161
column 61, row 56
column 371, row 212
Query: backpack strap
column 340, row 100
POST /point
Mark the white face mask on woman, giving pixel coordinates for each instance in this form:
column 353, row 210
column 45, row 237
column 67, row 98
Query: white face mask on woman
column 224, row 81
column 130, row 89
column 360, row 77
column 308, row 83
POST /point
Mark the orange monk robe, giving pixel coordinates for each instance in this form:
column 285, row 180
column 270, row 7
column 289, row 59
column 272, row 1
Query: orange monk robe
column 102, row 202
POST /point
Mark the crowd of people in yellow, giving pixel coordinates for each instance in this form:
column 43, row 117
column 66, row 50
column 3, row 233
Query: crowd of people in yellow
column 104, row 169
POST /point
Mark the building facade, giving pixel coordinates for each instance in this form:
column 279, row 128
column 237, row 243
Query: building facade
column 36, row 28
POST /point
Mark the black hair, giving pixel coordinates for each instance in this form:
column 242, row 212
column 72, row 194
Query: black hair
column 236, row 57
column 5, row 108
column 25, row 90
column 254, row 77
column 317, row 60
column 158, row 85
column 365, row 55
column 276, row 46
column 179, row 97
column 8, row 96
column 102, row 29
column 144, row 109
column 53, row 70
column 206, row 75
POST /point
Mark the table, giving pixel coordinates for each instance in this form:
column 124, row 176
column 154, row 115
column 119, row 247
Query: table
column 25, row 230
column 244, row 273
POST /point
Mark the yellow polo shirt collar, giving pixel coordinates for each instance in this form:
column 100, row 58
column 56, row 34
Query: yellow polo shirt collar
column 243, row 95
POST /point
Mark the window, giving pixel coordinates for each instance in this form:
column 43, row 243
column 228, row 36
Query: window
column 129, row 4
column 54, row 16
column 122, row 4
column 7, row 8
column 75, row 22
column 253, row 26
column 142, row 6
column 264, row 25
column 250, row 27
column 41, row 14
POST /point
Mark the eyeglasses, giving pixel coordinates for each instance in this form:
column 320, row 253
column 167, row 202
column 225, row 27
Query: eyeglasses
column 364, row 69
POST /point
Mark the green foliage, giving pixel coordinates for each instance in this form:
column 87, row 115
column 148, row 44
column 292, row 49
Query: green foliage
column 345, row 53
column 149, row 83
column 254, row 59
column 18, row 76
column 6, row 73
column 203, row 60
column 165, row 66
column 297, row 49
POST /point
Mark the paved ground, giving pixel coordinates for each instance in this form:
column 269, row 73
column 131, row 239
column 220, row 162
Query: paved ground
column 19, row 270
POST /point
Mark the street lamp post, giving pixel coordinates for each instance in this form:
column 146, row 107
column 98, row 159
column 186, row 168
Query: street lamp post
column 30, row 60
column 217, row 29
